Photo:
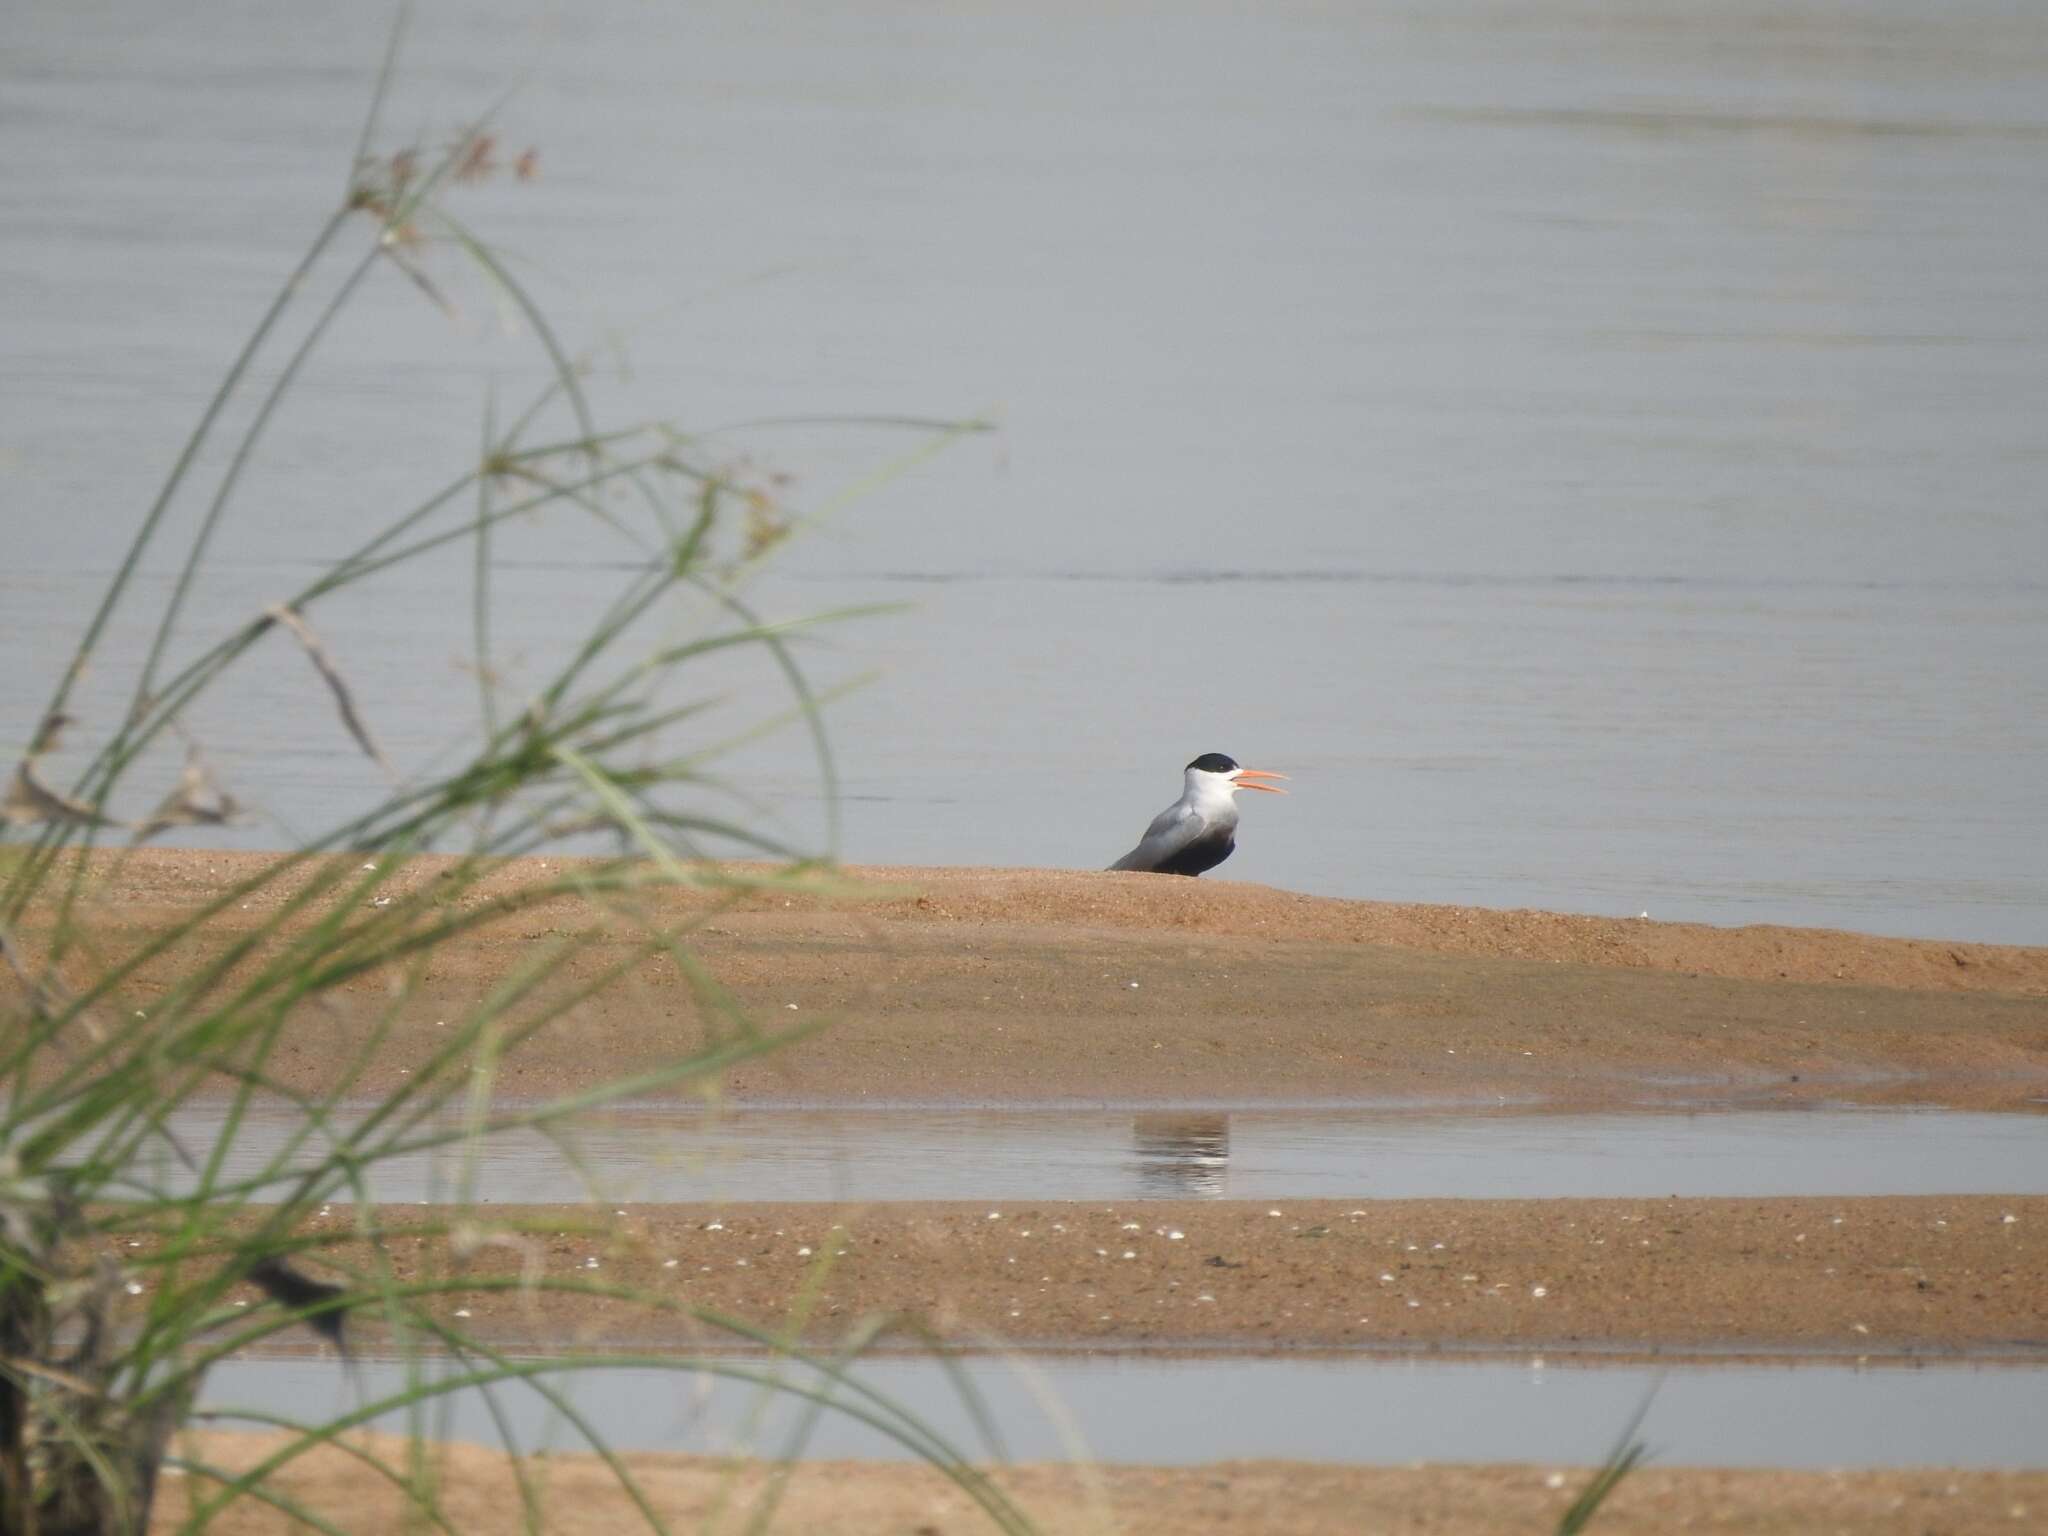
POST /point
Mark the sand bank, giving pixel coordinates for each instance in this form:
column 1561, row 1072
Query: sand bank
column 1030, row 985
column 1963, row 1274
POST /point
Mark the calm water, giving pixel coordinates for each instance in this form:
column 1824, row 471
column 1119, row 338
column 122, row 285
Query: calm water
column 1595, row 449
column 1361, row 1409
column 936, row 1154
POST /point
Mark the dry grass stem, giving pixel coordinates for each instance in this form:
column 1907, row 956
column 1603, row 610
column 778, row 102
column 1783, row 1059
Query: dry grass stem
column 330, row 674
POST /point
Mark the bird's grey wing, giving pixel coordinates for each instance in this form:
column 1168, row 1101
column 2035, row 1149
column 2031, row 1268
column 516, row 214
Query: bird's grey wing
column 1171, row 830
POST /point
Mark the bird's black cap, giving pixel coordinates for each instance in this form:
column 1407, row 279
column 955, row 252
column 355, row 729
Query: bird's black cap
column 1215, row 762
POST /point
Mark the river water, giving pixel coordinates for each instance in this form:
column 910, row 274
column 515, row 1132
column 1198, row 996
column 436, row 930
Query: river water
column 1595, row 448
column 1134, row 1408
column 650, row 1153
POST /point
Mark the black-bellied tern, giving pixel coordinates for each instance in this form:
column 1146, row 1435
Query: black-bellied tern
column 1199, row 830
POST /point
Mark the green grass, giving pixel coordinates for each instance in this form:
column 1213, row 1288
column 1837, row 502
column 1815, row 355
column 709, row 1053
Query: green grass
column 99, row 1202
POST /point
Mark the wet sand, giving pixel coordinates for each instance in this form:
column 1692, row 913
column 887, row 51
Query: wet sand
column 1010, row 986
column 578, row 1495
column 1945, row 1275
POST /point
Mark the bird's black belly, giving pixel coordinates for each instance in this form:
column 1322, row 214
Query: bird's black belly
column 1203, row 853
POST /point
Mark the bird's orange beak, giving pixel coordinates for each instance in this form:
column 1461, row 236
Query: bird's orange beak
column 1242, row 779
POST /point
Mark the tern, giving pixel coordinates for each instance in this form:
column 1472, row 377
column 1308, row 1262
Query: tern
column 1199, row 830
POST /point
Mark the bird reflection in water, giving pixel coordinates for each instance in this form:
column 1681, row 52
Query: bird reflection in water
column 1182, row 1154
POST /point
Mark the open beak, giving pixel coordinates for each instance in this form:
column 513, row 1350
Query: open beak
column 1243, row 778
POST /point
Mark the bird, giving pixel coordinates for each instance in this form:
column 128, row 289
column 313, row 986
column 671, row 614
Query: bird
column 1199, row 830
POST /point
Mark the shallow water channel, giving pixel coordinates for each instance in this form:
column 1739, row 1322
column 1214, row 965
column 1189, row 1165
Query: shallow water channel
column 1367, row 1409
column 670, row 1154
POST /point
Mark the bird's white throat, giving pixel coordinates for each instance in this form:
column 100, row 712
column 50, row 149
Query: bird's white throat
column 1208, row 793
